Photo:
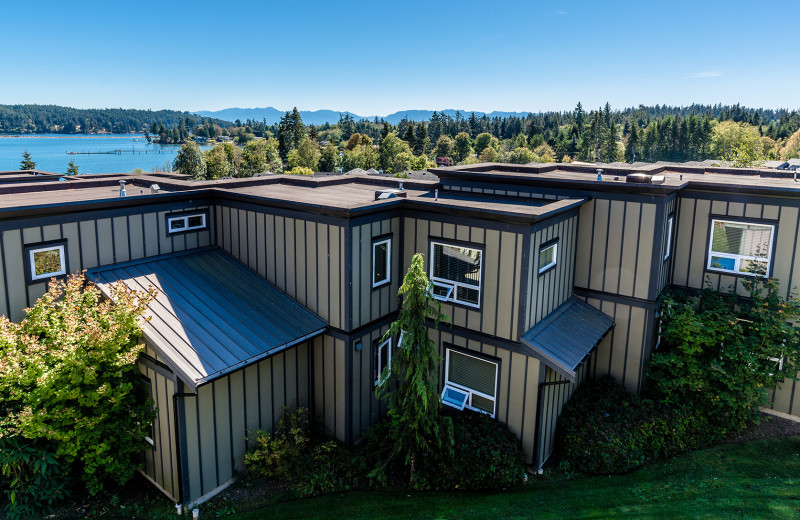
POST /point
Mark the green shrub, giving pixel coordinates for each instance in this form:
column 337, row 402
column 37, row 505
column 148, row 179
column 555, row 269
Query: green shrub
column 30, row 478
column 604, row 429
column 295, row 453
column 300, row 170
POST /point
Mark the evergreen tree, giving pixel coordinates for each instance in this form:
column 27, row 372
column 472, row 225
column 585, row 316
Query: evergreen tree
column 410, row 384
column 27, row 163
column 72, row 168
column 422, row 143
column 632, row 149
column 580, row 117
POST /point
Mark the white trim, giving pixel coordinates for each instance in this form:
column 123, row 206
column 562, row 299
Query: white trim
column 388, row 344
column 738, row 258
column 554, row 247
column 388, row 279
column 185, row 220
column 452, row 295
column 62, row 260
column 669, row 235
column 470, row 391
column 454, row 404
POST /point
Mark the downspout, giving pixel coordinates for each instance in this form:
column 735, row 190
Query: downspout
column 180, row 433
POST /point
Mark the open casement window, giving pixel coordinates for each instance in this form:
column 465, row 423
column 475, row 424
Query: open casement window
column 470, row 382
column 548, row 256
column 188, row 222
column 740, row 247
column 668, row 238
column 46, row 262
column 381, row 262
column 383, row 359
column 456, row 274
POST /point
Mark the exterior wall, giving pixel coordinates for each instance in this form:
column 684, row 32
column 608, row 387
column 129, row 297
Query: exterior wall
column 218, row 423
column 546, row 291
column 161, row 461
column 372, row 304
column 330, row 359
column 501, row 265
column 300, row 253
column 786, row 398
column 366, row 408
column 93, row 239
column 665, row 264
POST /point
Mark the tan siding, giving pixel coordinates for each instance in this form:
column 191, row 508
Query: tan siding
column 645, row 257
column 699, row 243
column 585, row 225
column 599, row 243
column 613, row 248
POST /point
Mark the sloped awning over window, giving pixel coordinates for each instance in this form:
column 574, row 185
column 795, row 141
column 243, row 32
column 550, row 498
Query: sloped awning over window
column 566, row 337
column 212, row 315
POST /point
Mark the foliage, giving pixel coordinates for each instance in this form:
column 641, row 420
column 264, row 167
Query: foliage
column 294, row 453
column 444, row 147
column 462, row 146
column 306, row 154
column 259, row 156
column 792, row 148
column 394, row 154
column 30, row 477
column 329, row 160
column 189, row 161
column 416, row 427
column 68, row 375
column 27, row 163
column 722, row 353
column 485, row 455
column 603, row 429
column 72, row 168
column 522, row 155
column 300, row 170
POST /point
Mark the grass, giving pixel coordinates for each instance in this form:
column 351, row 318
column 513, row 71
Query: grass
column 759, row 480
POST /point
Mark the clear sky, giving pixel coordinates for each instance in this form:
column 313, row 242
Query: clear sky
column 378, row 57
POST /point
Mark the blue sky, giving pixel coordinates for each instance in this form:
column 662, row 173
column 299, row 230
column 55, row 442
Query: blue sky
column 374, row 58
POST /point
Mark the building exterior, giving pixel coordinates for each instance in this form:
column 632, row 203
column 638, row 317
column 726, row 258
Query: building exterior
column 276, row 291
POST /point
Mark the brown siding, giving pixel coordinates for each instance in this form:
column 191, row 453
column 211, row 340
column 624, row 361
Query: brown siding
column 370, row 304
column 329, row 374
column 367, row 409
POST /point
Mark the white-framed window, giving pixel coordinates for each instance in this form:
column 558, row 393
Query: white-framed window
column 548, row 256
column 740, row 247
column 668, row 240
column 456, row 273
column 187, row 222
column 470, row 382
column 381, row 262
column 46, row 262
column 382, row 363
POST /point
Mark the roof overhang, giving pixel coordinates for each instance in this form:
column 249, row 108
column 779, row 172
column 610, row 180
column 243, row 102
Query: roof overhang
column 567, row 336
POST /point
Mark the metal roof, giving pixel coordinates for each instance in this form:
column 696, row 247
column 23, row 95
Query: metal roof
column 212, row 315
column 566, row 337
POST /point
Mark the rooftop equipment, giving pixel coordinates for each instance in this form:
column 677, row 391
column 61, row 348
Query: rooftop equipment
column 122, row 192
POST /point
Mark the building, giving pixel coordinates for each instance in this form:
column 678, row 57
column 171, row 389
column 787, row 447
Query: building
column 277, row 290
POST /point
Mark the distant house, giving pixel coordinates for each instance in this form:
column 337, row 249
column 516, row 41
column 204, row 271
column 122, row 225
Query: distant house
column 276, row 290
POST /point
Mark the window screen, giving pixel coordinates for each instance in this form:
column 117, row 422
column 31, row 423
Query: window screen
column 471, row 372
column 459, row 268
column 740, row 247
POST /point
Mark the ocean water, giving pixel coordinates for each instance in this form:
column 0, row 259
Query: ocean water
column 52, row 152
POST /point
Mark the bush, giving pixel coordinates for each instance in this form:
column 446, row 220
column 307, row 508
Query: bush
column 310, row 463
column 30, row 478
column 300, row 170
column 604, row 429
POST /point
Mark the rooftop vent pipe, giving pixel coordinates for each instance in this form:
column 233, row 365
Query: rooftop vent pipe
column 599, row 174
column 122, row 192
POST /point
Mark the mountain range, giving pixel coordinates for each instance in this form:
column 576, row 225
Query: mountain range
column 319, row 117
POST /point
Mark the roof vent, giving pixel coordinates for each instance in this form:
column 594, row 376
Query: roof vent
column 154, row 188
column 658, row 179
column 640, row 178
column 389, row 193
column 122, row 192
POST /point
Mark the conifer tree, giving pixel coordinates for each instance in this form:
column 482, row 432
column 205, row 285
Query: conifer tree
column 72, row 168
column 27, row 163
column 632, row 148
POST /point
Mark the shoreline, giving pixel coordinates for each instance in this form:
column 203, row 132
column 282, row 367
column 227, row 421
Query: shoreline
column 69, row 136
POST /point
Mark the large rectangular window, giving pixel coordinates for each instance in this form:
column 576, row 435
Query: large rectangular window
column 740, row 247
column 381, row 262
column 548, row 256
column 456, row 273
column 470, row 382
column 46, row 262
column 188, row 222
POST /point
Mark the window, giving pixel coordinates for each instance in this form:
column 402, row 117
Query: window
column 548, row 255
column 46, row 262
column 668, row 237
column 740, row 247
column 381, row 262
column 383, row 359
column 456, row 274
column 470, row 382
column 188, row 222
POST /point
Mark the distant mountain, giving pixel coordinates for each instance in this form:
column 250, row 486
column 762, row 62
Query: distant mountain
column 318, row 117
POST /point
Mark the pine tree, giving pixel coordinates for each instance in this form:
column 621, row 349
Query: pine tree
column 72, row 168
column 632, row 148
column 27, row 163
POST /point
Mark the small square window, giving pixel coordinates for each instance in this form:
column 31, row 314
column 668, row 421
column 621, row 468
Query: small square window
column 381, row 262
column 548, row 256
column 46, row 262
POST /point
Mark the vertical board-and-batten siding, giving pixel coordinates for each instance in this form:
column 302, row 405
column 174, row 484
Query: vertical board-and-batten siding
column 517, row 389
column 501, row 268
column 93, row 239
column 366, row 408
column 221, row 420
column 370, row 304
column 550, row 289
column 303, row 257
column 329, row 362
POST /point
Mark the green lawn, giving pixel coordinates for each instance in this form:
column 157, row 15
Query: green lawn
column 759, row 479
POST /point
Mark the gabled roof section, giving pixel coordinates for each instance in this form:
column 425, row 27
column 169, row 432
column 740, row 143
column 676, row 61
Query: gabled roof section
column 212, row 315
column 566, row 337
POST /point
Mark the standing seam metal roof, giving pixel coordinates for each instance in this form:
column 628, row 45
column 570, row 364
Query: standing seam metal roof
column 567, row 335
column 212, row 315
